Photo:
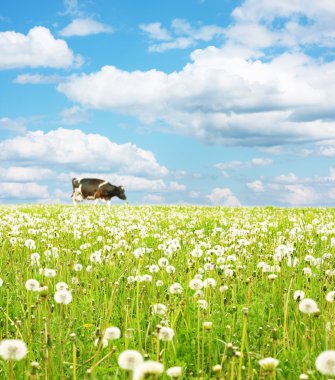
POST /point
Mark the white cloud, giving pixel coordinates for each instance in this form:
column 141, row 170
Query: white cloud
column 155, row 31
column 180, row 36
column 288, row 178
column 85, row 27
column 221, row 98
column 24, row 174
column 73, row 115
column 260, row 161
column 175, row 186
column 24, row 191
column 74, row 148
column 13, row 125
column 298, row 195
column 256, row 186
column 154, row 198
column 38, row 79
column 238, row 165
column 223, row 197
column 36, row 49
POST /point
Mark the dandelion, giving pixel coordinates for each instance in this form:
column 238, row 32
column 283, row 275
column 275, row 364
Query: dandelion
column 209, row 283
column 174, row 372
column 77, row 267
column 308, row 306
column 62, row 286
column 30, row 244
column 159, row 309
column 32, row 285
column 176, row 288
column 49, row 273
column 269, row 364
column 203, row 304
column 299, row 295
column 196, row 284
column 154, row 268
column 159, row 283
column 145, row 369
column 330, row 297
column 13, row 349
column 63, row 297
column 325, row 363
column 112, row 333
column 104, row 342
column 166, row 334
column 130, row 359
column 1, row 281
column 163, row 262
column 170, row 269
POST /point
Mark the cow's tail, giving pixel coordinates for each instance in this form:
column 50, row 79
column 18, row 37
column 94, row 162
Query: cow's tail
column 75, row 185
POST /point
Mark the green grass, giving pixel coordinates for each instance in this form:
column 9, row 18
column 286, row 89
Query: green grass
column 256, row 317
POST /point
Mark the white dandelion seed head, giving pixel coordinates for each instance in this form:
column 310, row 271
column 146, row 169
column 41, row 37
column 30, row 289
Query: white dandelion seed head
column 163, row 262
column 104, row 343
column 170, row 269
column 112, row 333
column 176, row 288
column 325, row 363
column 209, row 283
column 159, row 283
column 13, row 349
column 308, row 306
column 62, row 286
column 196, row 284
column 147, row 368
column 130, row 359
column 159, row 309
column 174, row 372
column 30, row 244
column 203, row 304
column 49, row 273
column 166, row 334
column 77, row 267
column 299, row 295
column 269, row 364
column 330, row 297
column 63, row 297
column 32, row 285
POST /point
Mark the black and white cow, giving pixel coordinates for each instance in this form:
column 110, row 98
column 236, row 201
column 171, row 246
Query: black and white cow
column 95, row 189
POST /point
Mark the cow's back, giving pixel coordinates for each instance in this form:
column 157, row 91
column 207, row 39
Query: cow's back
column 89, row 186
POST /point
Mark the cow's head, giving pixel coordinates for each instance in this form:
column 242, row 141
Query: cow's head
column 120, row 193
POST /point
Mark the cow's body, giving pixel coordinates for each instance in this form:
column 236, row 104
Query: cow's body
column 95, row 189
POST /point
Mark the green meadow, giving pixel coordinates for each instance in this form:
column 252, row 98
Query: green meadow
column 212, row 290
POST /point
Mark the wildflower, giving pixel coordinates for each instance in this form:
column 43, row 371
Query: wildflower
column 78, row 267
column 63, row 297
column 89, row 268
column 29, row 243
column 207, row 326
column 166, row 334
column 269, row 364
column 223, row 288
column 170, row 269
column 203, row 304
column 272, row 276
column 308, row 306
column 299, row 295
column 196, row 284
column 303, row 376
column 49, row 273
column 32, row 285
column 147, row 278
column 104, row 342
column 325, row 363
column 159, row 283
column 1, row 281
column 13, row 349
column 330, row 297
column 62, row 286
column 112, row 333
column 130, row 359
column 146, row 369
column 163, row 262
column 159, row 309
column 130, row 279
column 197, row 252
column 176, row 288
column 154, row 268
column 209, row 283
column 35, row 259
column 174, row 372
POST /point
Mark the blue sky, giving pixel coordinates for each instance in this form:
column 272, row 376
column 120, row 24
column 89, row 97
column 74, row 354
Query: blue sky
column 195, row 101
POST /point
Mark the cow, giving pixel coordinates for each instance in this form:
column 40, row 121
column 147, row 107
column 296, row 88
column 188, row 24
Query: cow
column 95, row 189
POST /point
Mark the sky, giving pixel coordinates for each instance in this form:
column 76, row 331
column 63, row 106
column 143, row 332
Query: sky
column 212, row 102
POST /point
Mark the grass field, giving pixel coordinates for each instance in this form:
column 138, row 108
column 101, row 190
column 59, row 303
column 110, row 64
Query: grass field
column 193, row 287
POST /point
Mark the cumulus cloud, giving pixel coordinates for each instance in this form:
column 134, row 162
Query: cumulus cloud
column 256, row 186
column 13, row 125
column 85, row 27
column 299, row 195
column 36, row 49
column 223, row 197
column 220, row 98
column 154, row 198
column 181, row 35
column 38, row 79
column 24, row 174
column 239, row 165
column 23, row 191
column 73, row 115
column 75, row 149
